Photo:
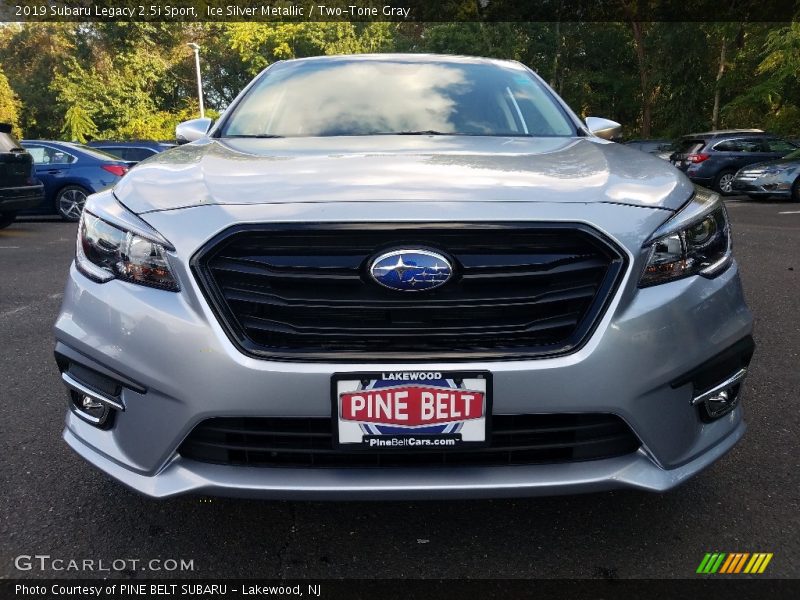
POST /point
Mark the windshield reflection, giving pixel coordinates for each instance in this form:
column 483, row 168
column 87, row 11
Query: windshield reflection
column 369, row 97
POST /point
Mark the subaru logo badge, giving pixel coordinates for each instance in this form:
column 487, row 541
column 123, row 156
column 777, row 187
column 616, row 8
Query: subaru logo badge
column 411, row 270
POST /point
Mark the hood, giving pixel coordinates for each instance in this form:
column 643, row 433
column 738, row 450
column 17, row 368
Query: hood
column 398, row 168
column 780, row 162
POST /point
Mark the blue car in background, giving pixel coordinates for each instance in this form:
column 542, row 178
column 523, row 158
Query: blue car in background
column 131, row 151
column 70, row 172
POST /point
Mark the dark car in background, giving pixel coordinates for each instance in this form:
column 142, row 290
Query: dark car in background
column 774, row 178
column 133, row 151
column 711, row 159
column 19, row 189
column 70, row 172
column 657, row 147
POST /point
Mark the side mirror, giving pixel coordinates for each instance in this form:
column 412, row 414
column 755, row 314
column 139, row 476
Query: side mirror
column 603, row 128
column 189, row 131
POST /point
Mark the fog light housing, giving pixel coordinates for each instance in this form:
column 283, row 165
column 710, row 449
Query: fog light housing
column 88, row 401
column 721, row 399
column 722, row 403
column 89, row 409
column 89, row 404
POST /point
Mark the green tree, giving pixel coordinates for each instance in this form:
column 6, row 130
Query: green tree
column 32, row 55
column 258, row 45
column 78, row 124
column 780, row 71
column 125, row 79
column 9, row 105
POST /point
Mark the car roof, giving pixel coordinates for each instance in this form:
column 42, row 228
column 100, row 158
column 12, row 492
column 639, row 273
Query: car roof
column 130, row 143
column 407, row 57
column 56, row 142
column 650, row 140
column 727, row 132
column 72, row 147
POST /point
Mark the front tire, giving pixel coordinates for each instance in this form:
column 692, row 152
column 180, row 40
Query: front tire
column 724, row 182
column 7, row 219
column 796, row 190
column 70, row 201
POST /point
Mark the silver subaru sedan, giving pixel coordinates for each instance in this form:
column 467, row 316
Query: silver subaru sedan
column 402, row 276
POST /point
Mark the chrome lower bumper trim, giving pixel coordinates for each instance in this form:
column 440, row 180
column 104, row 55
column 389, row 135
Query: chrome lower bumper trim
column 79, row 387
column 732, row 380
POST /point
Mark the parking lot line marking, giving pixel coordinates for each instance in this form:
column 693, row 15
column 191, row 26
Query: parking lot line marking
column 790, row 212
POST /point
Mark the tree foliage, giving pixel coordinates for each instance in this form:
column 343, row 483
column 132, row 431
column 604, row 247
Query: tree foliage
column 137, row 80
column 9, row 104
column 78, row 124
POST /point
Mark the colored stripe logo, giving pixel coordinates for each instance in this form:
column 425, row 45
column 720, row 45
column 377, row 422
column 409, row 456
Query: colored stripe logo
column 734, row 562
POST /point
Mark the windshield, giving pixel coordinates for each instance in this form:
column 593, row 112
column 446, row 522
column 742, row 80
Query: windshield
column 688, row 146
column 8, row 143
column 96, row 153
column 371, row 97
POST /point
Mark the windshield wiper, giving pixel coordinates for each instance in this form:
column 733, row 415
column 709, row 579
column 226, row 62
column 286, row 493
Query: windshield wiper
column 459, row 133
column 254, row 135
column 423, row 132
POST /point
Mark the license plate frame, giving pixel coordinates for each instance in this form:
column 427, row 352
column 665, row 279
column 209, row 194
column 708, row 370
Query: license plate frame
column 341, row 382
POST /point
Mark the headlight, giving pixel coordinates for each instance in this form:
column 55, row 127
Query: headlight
column 696, row 241
column 105, row 251
column 774, row 170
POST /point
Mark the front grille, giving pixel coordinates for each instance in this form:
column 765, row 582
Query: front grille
column 297, row 292
column 308, row 442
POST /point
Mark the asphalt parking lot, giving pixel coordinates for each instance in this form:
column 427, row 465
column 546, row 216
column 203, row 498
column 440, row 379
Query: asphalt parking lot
column 53, row 503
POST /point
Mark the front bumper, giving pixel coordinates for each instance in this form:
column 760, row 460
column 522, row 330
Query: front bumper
column 180, row 476
column 758, row 188
column 178, row 368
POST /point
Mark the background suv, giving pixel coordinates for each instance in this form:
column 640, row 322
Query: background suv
column 711, row 159
column 18, row 188
column 658, row 147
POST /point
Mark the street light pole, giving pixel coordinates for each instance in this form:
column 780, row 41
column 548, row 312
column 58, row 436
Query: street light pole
column 196, row 49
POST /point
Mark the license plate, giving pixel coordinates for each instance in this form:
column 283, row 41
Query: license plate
column 411, row 410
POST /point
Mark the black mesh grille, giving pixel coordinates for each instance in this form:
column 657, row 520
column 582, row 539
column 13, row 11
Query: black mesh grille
column 307, row 442
column 303, row 292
